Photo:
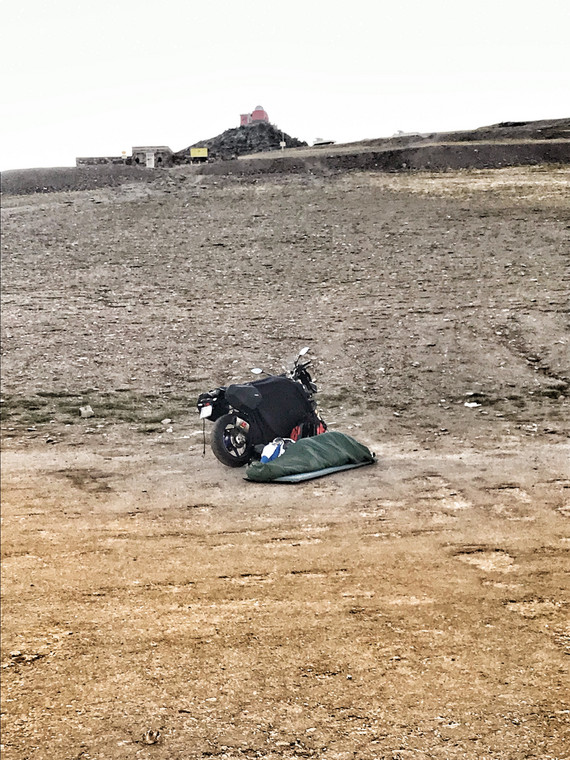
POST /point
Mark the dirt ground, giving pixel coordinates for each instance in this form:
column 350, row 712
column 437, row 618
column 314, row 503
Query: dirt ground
column 414, row 609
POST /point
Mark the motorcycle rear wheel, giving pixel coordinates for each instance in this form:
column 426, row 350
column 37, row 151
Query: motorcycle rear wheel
column 231, row 444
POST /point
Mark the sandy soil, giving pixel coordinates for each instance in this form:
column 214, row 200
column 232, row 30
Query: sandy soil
column 414, row 609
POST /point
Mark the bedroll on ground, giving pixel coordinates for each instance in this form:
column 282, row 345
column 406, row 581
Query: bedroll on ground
column 312, row 458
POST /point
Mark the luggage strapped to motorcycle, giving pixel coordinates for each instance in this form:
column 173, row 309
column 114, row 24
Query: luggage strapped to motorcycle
column 284, row 405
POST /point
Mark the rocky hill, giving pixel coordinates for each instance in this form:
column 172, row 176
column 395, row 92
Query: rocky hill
column 232, row 143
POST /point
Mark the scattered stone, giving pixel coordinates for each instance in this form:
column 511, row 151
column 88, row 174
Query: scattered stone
column 151, row 737
column 24, row 659
column 86, row 411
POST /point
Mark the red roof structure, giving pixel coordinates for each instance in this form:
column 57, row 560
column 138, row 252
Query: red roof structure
column 258, row 114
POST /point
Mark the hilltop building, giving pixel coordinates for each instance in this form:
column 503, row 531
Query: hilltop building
column 257, row 115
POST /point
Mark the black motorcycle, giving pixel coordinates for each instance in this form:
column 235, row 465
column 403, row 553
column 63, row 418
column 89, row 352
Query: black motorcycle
column 248, row 416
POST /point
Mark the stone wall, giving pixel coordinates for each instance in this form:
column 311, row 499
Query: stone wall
column 102, row 160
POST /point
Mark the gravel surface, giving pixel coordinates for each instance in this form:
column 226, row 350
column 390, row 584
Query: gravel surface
column 157, row 605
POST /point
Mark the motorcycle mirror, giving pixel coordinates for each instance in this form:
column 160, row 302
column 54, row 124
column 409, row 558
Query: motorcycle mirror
column 304, row 351
column 257, row 371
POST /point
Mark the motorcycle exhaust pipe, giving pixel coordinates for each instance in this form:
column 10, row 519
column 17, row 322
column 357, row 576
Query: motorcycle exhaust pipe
column 242, row 424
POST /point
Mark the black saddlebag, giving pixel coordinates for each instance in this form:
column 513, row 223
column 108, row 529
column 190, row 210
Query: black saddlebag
column 284, row 404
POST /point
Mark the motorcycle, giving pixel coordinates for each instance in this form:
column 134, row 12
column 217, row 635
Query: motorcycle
column 250, row 415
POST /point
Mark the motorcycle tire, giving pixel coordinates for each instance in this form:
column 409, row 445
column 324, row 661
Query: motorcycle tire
column 231, row 445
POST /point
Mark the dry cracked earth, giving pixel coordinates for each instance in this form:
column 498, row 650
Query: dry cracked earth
column 155, row 604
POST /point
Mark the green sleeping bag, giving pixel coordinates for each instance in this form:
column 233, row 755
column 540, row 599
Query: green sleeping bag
column 311, row 458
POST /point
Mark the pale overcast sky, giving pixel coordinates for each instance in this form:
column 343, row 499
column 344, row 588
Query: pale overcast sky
column 94, row 78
